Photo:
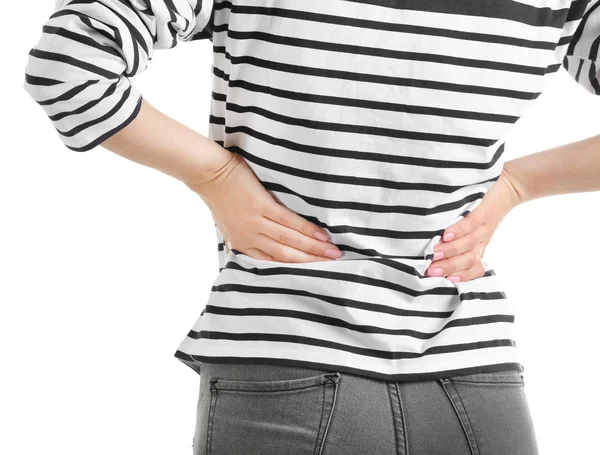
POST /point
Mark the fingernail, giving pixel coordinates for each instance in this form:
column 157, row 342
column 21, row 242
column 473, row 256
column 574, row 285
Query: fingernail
column 448, row 236
column 321, row 236
column 333, row 253
column 436, row 271
column 438, row 255
column 454, row 278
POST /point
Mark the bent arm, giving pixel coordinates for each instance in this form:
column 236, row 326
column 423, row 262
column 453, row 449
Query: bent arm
column 574, row 167
column 156, row 140
column 569, row 168
column 81, row 69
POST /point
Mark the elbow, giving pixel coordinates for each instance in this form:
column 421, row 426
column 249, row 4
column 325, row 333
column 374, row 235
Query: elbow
column 36, row 81
column 29, row 79
column 83, row 91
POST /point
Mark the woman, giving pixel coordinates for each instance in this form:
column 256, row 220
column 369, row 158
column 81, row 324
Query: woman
column 354, row 172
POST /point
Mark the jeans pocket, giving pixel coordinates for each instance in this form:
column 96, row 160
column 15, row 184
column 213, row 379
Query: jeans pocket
column 494, row 412
column 270, row 417
column 497, row 377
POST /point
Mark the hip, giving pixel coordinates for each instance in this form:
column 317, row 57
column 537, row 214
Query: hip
column 278, row 409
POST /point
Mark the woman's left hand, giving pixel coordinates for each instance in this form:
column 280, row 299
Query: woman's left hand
column 464, row 243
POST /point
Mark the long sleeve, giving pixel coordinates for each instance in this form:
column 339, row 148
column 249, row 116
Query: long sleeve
column 582, row 60
column 80, row 69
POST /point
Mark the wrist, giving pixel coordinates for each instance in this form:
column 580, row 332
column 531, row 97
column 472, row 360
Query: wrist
column 515, row 184
column 202, row 183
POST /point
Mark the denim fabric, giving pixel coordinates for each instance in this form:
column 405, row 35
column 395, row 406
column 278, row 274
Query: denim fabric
column 279, row 410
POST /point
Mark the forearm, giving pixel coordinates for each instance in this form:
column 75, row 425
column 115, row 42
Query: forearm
column 569, row 168
column 155, row 140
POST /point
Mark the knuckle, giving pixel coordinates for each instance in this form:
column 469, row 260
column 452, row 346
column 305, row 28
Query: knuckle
column 308, row 229
column 319, row 252
column 452, row 251
column 283, row 218
column 313, row 250
column 283, row 237
column 472, row 243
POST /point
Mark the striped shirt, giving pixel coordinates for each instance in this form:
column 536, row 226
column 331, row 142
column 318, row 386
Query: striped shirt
column 381, row 121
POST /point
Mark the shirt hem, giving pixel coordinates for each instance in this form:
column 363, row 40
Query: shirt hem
column 195, row 363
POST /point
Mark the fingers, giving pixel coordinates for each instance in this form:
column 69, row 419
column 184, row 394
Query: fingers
column 466, row 225
column 299, row 241
column 288, row 237
column 258, row 254
column 459, row 256
column 252, row 220
column 459, row 245
column 252, row 252
column 286, row 217
column 476, row 271
column 462, row 267
column 285, row 253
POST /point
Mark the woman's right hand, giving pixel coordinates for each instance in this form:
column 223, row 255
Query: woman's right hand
column 254, row 223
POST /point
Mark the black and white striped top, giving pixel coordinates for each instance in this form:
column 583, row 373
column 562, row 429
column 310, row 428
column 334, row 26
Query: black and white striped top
column 381, row 121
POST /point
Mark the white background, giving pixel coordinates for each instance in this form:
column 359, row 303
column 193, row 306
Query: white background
column 105, row 265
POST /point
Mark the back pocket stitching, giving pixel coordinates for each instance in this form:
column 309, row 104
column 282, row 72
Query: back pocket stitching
column 515, row 383
column 334, row 384
column 502, row 377
column 330, row 379
column 324, row 386
column 272, row 386
column 467, row 426
column 211, row 411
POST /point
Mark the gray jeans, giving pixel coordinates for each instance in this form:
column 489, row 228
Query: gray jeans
column 279, row 410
